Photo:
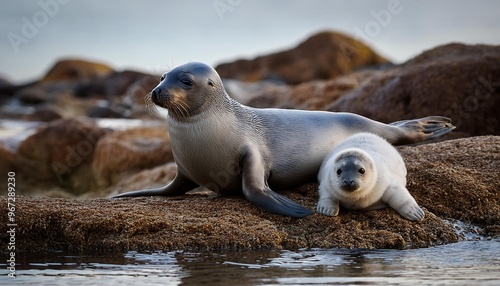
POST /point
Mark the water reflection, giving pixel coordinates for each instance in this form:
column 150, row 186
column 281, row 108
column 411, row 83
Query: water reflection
column 468, row 262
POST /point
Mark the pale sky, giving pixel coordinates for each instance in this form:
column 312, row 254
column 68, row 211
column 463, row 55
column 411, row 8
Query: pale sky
column 154, row 35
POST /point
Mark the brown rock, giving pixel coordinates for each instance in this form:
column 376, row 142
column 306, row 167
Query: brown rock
column 323, row 56
column 45, row 114
column 314, row 95
column 6, row 163
column 73, row 70
column 456, row 179
column 123, row 152
column 457, row 81
column 61, row 152
column 151, row 178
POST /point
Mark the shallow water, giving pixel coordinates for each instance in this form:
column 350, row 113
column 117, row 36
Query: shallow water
column 13, row 132
column 463, row 263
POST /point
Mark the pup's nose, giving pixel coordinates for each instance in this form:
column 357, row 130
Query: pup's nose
column 350, row 185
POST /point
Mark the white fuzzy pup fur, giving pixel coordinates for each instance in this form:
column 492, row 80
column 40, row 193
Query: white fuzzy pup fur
column 365, row 172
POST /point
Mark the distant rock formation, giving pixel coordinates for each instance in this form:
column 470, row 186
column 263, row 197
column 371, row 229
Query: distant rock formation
column 74, row 87
column 75, row 70
column 323, row 56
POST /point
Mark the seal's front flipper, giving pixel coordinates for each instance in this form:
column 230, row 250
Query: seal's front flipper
column 178, row 186
column 398, row 198
column 256, row 190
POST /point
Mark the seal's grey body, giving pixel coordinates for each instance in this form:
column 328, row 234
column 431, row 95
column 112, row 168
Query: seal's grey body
column 231, row 148
column 365, row 172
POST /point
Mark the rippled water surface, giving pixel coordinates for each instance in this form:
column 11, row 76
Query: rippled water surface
column 464, row 263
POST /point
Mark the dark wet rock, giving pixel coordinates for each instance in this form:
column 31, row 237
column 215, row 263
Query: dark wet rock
column 113, row 84
column 323, row 56
column 123, row 93
column 32, row 95
column 82, row 88
column 103, row 112
column 456, row 179
column 7, row 90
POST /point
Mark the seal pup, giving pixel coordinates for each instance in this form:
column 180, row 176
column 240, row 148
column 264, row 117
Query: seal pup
column 231, row 148
column 365, row 172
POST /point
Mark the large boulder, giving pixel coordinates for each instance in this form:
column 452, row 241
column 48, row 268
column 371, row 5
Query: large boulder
column 123, row 152
column 452, row 180
column 458, row 81
column 60, row 152
column 323, row 56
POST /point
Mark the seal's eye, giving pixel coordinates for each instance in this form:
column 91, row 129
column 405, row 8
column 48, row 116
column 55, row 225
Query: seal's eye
column 339, row 171
column 187, row 81
column 162, row 77
column 361, row 171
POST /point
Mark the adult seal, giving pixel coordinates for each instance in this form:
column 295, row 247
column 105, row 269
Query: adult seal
column 230, row 148
column 365, row 172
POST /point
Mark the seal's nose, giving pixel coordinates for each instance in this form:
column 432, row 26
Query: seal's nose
column 155, row 95
column 350, row 185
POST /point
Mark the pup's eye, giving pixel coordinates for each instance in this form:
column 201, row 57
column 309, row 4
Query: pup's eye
column 187, row 81
column 339, row 171
column 162, row 77
column 361, row 171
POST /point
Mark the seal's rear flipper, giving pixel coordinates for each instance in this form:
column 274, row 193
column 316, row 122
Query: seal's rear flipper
column 422, row 129
column 142, row 193
column 180, row 185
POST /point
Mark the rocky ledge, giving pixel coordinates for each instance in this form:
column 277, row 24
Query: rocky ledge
column 456, row 180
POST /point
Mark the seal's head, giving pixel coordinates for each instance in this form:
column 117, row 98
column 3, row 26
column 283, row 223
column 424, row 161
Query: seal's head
column 187, row 90
column 354, row 173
